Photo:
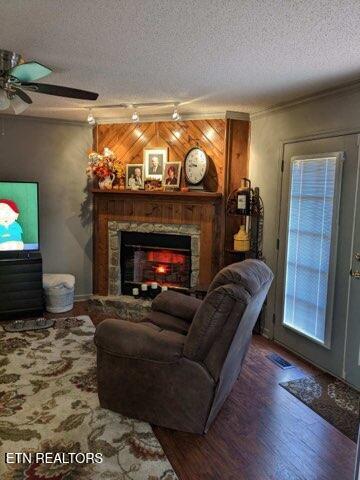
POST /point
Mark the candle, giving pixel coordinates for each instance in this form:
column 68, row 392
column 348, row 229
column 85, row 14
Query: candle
column 135, row 292
column 154, row 285
column 164, row 288
column 144, row 287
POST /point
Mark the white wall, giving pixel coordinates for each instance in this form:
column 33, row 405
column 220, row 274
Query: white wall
column 54, row 154
column 334, row 112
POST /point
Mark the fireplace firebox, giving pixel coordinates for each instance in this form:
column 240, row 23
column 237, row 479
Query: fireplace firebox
column 155, row 257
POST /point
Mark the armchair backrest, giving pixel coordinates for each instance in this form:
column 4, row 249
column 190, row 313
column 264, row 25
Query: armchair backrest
column 223, row 324
column 250, row 274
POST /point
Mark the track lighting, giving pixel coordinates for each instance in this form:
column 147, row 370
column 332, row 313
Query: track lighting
column 134, row 108
column 4, row 100
column 176, row 116
column 135, row 117
column 91, row 119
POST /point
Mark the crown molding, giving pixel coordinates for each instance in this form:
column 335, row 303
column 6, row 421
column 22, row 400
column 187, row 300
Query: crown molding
column 11, row 116
column 338, row 91
column 229, row 114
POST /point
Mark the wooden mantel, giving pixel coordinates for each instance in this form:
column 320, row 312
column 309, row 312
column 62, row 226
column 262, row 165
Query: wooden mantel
column 190, row 195
column 196, row 208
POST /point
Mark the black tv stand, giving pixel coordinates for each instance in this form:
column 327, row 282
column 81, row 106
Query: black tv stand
column 21, row 293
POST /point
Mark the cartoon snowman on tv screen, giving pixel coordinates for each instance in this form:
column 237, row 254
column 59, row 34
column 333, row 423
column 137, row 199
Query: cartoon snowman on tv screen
column 10, row 230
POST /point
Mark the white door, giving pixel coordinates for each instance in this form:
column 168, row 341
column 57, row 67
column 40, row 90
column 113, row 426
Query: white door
column 318, row 300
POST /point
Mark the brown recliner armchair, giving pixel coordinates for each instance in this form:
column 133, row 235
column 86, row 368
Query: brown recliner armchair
column 176, row 367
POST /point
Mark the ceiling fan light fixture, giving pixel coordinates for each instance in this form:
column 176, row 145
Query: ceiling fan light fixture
column 18, row 105
column 4, row 100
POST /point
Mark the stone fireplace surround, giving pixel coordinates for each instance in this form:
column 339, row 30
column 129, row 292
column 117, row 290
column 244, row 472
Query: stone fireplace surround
column 114, row 234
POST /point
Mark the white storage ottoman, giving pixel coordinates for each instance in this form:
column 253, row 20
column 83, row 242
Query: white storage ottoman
column 59, row 292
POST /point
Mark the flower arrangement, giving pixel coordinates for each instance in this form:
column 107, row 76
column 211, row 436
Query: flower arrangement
column 101, row 165
column 105, row 168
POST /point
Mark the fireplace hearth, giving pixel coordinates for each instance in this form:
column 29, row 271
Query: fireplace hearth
column 155, row 257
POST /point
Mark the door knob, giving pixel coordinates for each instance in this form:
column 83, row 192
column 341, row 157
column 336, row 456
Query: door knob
column 355, row 274
column 357, row 256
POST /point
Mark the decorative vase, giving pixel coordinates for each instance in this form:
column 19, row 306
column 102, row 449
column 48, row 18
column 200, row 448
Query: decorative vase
column 106, row 183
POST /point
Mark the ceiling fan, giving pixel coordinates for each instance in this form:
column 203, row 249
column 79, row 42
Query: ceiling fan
column 18, row 77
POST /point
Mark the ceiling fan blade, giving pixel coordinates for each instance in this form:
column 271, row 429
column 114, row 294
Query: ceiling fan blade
column 59, row 91
column 24, row 96
column 30, row 71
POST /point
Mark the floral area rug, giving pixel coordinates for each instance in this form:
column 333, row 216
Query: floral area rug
column 330, row 398
column 49, row 403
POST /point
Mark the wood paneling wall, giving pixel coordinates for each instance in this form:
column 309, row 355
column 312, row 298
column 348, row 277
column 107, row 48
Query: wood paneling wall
column 236, row 168
column 237, row 165
column 128, row 140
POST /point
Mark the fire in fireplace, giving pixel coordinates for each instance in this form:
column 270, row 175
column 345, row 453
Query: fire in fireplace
column 154, row 257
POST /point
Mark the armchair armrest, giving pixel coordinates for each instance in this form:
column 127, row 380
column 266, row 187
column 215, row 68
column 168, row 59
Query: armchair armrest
column 177, row 304
column 138, row 340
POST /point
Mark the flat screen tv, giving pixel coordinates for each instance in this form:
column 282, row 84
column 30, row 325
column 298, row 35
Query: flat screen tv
column 19, row 216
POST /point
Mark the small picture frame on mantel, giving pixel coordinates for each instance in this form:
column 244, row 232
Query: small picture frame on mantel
column 134, row 176
column 154, row 161
column 153, row 185
column 171, row 175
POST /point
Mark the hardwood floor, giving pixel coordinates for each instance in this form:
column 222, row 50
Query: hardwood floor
column 262, row 431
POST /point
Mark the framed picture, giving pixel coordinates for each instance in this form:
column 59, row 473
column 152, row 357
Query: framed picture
column 134, row 176
column 152, row 185
column 154, row 161
column 171, row 175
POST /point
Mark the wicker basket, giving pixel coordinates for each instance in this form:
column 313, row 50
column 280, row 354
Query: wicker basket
column 59, row 299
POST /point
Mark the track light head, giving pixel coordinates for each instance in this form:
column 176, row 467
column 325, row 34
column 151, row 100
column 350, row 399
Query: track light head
column 135, row 117
column 91, row 119
column 176, row 116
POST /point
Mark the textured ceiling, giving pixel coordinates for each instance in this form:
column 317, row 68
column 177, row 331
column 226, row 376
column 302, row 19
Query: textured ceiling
column 212, row 55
